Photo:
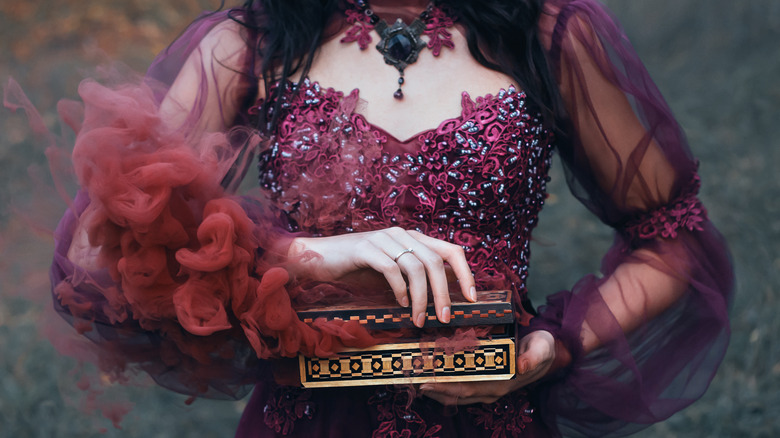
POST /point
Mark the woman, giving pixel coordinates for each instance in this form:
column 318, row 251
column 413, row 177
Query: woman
column 414, row 180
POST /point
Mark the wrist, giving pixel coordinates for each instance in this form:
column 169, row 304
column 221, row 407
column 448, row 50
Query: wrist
column 561, row 359
column 297, row 248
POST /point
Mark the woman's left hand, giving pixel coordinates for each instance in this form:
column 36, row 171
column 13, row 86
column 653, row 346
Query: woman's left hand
column 537, row 352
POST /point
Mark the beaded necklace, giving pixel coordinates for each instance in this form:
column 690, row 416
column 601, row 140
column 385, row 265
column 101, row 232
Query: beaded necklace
column 399, row 44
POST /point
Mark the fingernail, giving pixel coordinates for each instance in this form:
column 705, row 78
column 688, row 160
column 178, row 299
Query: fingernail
column 445, row 314
column 425, row 387
column 404, row 301
column 473, row 292
column 522, row 366
column 420, row 320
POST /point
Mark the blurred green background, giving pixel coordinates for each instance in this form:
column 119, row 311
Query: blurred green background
column 717, row 62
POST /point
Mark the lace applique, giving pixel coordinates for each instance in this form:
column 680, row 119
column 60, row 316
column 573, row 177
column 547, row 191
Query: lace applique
column 396, row 417
column 360, row 31
column 478, row 180
column 285, row 406
column 507, row 417
column 685, row 212
column 436, row 30
column 436, row 23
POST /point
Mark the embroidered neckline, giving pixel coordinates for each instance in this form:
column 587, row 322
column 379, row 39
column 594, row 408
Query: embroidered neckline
column 448, row 182
column 468, row 106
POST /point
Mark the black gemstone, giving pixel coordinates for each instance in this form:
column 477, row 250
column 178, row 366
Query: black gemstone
column 400, row 80
column 399, row 46
column 398, row 94
column 373, row 19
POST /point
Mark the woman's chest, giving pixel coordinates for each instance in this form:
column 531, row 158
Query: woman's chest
column 432, row 85
column 333, row 171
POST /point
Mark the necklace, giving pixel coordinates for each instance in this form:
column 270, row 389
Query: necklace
column 399, row 44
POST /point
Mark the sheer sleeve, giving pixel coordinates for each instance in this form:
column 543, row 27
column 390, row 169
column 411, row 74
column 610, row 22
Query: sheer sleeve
column 157, row 261
column 207, row 74
column 647, row 336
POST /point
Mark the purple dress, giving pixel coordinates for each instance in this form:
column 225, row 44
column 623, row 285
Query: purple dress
column 477, row 180
column 645, row 336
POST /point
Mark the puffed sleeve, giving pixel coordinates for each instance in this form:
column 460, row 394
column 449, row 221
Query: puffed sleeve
column 157, row 261
column 646, row 336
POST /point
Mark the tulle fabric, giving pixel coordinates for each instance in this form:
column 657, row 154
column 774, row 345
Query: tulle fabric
column 158, row 265
column 185, row 277
column 647, row 336
column 156, row 261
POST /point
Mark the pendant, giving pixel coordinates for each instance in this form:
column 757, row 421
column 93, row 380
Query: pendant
column 400, row 45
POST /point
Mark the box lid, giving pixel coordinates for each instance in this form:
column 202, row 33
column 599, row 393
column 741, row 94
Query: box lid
column 492, row 308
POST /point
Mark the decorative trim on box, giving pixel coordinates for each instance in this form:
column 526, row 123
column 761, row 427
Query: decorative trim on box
column 492, row 308
column 492, row 359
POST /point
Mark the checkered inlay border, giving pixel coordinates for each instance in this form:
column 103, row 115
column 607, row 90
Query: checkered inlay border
column 492, row 308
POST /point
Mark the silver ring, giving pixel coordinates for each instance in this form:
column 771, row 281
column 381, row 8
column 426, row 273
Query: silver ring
column 407, row 250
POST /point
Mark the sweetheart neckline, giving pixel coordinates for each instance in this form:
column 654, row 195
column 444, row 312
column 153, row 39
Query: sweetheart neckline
column 466, row 99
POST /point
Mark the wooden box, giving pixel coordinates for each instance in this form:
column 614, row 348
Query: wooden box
column 411, row 361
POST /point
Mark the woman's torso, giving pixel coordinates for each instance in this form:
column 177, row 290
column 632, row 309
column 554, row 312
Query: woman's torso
column 350, row 157
column 463, row 157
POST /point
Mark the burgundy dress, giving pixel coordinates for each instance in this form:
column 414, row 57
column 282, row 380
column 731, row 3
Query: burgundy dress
column 186, row 297
column 477, row 180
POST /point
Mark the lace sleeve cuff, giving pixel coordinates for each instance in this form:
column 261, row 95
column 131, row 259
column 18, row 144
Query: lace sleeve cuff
column 685, row 212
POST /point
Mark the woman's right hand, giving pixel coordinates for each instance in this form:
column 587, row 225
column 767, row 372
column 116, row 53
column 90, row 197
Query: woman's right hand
column 409, row 261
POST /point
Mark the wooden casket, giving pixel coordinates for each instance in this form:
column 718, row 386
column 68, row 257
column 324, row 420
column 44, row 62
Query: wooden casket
column 407, row 360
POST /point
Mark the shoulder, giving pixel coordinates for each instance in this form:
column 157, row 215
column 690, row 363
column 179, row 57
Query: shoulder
column 560, row 19
column 209, row 71
column 227, row 44
column 218, row 36
column 576, row 33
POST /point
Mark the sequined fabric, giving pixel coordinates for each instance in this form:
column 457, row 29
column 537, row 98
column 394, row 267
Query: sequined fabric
column 477, row 180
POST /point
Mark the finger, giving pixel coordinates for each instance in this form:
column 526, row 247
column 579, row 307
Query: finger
column 540, row 348
column 522, row 365
column 436, row 277
column 451, row 401
column 465, row 393
column 397, row 253
column 395, row 245
column 375, row 258
column 455, row 256
column 418, row 287
column 522, row 380
column 444, row 399
column 538, row 353
column 455, row 389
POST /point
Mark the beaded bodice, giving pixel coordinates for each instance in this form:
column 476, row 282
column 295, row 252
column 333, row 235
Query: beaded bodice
column 477, row 180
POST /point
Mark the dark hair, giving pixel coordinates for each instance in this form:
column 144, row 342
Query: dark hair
column 501, row 35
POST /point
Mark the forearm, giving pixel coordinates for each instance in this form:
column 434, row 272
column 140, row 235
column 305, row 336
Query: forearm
column 637, row 291
column 645, row 339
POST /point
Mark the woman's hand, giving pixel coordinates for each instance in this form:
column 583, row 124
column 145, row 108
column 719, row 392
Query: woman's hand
column 537, row 353
column 409, row 261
